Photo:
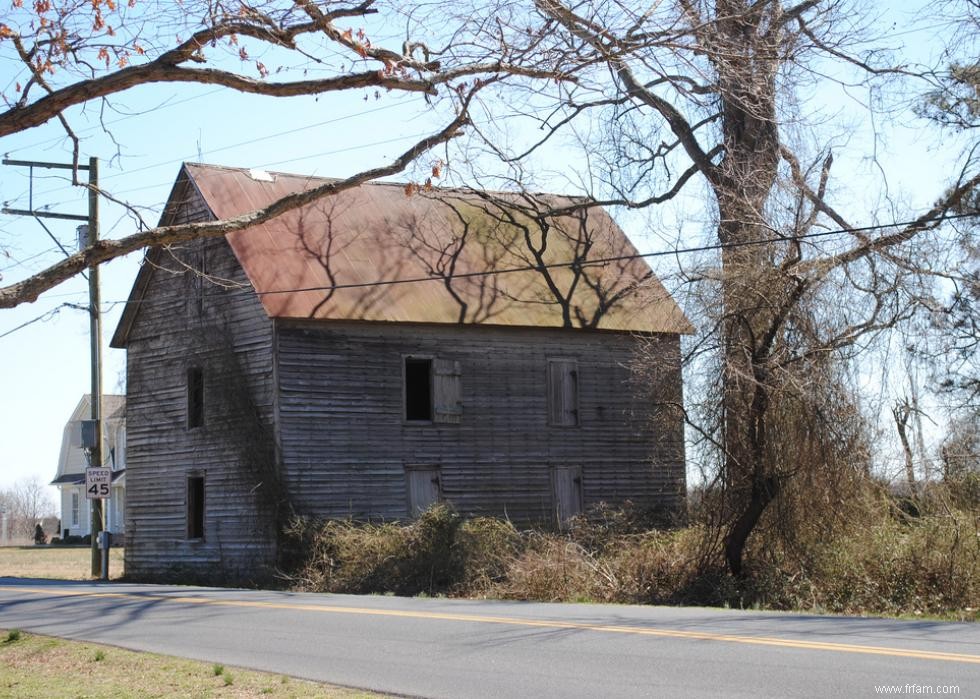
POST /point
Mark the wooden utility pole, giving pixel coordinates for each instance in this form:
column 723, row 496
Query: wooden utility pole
column 95, row 328
column 95, row 319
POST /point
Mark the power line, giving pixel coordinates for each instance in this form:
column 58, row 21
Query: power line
column 607, row 260
column 44, row 317
column 257, row 139
column 166, row 104
column 588, row 263
column 531, row 268
column 23, row 262
column 527, row 268
column 250, row 141
column 335, row 151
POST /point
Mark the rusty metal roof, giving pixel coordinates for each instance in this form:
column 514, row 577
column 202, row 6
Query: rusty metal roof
column 349, row 256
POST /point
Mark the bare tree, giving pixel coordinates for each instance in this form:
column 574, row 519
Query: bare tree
column 902, row 411
column 945, row 334
column 959, row 452
column 681, row 93
column 70, row 54
column 702, row 92
column 955, row 102
column 28, row 504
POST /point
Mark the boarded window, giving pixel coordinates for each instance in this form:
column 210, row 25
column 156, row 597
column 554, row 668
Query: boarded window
column 195, row 397
column 446, row 405
column 418, row 389
column 195, row 507
column 424, row 486
column 562, row 392
column 566, row 484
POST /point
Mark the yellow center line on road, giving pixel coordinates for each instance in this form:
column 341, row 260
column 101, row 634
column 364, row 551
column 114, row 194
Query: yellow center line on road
column 517, row 621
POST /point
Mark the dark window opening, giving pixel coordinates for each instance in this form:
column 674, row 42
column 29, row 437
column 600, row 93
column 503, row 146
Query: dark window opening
column 195, row 507
column 418, row 389
column 195, row 397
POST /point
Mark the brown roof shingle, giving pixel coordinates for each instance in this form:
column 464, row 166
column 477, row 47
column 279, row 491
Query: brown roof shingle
column 376, row 233
column 354, row 256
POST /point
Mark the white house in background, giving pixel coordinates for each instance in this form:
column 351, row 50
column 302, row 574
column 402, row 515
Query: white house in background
column 75, row 513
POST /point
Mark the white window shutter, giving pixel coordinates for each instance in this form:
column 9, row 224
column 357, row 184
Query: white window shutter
column 447, row 403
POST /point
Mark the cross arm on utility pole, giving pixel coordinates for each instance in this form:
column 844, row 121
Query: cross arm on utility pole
column 49, row 166
column 44, row 214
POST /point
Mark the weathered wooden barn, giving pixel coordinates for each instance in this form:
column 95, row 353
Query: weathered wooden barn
column 373, row 352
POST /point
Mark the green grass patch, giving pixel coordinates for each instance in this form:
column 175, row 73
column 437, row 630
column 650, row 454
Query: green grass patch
column 40, row 666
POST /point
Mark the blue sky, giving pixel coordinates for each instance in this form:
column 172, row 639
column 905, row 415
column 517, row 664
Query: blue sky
column 46, row 364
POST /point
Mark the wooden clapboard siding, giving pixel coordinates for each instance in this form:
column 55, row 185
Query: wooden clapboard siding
column 344, row 442
column 185, row 321
column 310, row 415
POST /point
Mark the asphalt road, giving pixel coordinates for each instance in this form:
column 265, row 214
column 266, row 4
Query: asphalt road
column 454, row 648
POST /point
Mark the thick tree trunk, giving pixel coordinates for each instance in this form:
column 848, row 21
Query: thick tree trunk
column 763, row 492
column 747, row 293
column 746, row 60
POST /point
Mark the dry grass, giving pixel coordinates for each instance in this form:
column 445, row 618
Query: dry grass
column 40, row 666
column 60, row 563
column 876, row 560
column 403, row 559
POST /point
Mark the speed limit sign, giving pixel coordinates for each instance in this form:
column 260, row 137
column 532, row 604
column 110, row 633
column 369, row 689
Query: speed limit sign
column 97, row 482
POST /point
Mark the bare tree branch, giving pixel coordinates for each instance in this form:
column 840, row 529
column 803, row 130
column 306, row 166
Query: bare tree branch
column 29, row 289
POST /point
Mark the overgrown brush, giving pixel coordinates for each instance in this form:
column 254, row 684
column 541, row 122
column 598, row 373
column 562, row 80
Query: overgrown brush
column 484, row 550
column 876, row 560
column 924, row 565
column 549, row 568
column 345, row 556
